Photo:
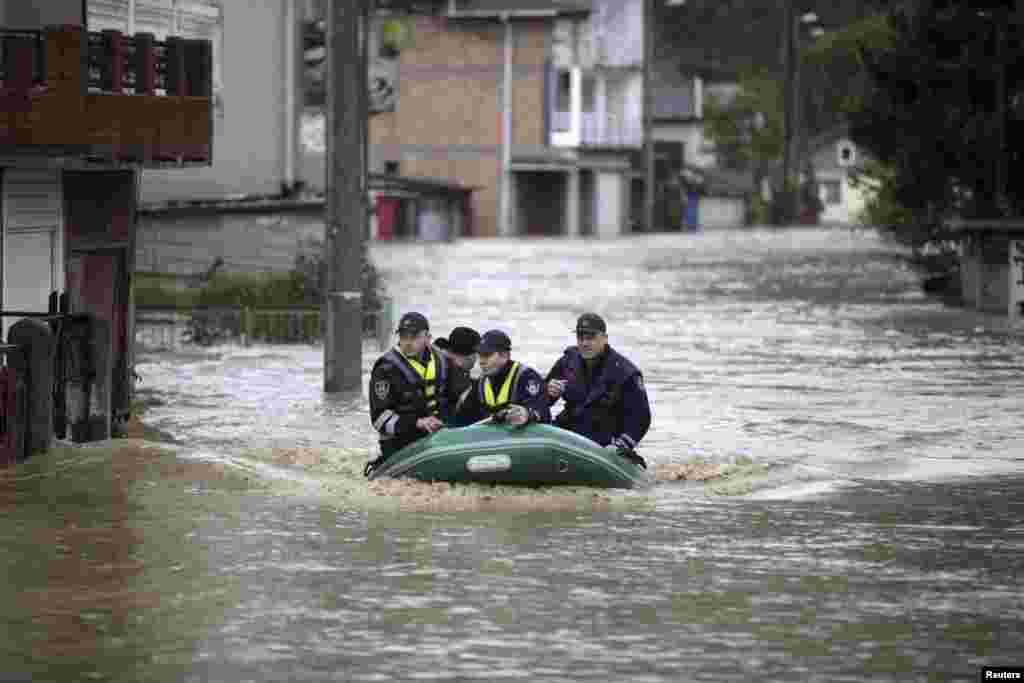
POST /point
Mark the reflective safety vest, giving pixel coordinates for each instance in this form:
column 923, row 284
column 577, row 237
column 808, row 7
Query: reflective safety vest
column 427, row 378
column 505, row 394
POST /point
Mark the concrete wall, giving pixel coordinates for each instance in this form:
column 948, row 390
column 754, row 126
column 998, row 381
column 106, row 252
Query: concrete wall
column 248, row 243
column 985, row 272
column 249, row 130
column 618, row 29
column 37, row 14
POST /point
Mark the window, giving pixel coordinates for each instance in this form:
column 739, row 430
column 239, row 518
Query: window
column 832, row 192
column 195, row 19
column 563, row 101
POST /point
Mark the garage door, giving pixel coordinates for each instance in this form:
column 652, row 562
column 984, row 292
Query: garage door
column 33, row 241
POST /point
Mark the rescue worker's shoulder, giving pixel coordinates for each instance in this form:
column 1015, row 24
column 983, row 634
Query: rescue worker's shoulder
column 624, row 367
column 382, row 367
column 531, row 381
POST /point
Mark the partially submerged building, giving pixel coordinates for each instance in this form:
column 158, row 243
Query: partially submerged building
column 82, row 113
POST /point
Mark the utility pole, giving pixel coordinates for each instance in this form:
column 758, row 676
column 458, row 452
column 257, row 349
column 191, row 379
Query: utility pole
column 346, row 219
column 784, row 201
column 1000, row 20
column 648, row 116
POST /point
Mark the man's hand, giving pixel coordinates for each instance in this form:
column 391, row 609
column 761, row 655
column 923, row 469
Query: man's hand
column 556, row 387
column 517, row 415
column 429, row 424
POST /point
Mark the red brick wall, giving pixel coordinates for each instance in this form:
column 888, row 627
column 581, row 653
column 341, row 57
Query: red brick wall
column 448, row 121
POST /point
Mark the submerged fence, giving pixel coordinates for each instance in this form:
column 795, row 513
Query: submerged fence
column 168, row 328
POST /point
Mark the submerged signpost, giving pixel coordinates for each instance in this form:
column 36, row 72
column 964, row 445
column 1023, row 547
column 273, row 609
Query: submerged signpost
column 346, row 201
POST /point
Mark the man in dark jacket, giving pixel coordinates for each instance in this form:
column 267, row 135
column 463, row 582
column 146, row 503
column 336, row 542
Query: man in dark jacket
column 605, row 398
column 508, row 391
column 460, row 348
column 411, row 387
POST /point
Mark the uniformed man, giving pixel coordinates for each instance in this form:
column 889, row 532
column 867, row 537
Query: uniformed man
column 508, row 391
column 605, row 398
column 411, row 387
column 460, row 348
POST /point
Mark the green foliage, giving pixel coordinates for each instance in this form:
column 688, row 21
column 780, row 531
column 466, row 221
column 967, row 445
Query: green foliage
column 270, row 290
column 932, row 114
column 748, row 131
column 882, row 207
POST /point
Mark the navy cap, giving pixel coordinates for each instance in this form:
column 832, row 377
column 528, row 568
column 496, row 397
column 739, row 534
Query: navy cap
column 412, row 323
column 590, row 323
column 495, row 340
column 463, row 341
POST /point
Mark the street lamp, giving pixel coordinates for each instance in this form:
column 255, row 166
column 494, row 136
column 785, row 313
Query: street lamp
column 789, row 207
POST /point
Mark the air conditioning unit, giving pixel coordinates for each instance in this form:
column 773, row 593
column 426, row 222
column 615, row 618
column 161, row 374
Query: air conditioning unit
column 846, row 154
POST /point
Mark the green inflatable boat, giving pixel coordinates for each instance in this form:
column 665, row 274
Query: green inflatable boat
column 535, row 455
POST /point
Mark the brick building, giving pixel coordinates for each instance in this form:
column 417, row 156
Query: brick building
column 548, row 155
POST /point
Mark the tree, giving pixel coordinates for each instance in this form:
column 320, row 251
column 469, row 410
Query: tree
column 747, row 129
column 932, row 115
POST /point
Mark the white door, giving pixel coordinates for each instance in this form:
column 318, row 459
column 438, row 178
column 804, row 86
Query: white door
column 33, row 245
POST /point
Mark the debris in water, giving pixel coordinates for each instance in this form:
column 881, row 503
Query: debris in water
column 689, row 471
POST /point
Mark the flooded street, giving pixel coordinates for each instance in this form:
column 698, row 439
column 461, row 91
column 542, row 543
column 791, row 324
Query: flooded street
column 869, row 526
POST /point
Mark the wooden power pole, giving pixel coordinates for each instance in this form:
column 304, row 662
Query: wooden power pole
column 346, row 220
column 648, row 116
column 784, row 203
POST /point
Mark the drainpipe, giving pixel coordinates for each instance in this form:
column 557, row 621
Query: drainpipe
column 698, row 97
column 504, row 227
column 290, row 115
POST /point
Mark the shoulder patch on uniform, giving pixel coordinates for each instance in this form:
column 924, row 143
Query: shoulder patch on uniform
column 382, row 389
column 533, row 387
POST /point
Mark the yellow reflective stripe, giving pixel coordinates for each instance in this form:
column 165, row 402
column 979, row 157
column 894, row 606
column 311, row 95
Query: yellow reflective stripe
column 506, row 388
column 428, row 373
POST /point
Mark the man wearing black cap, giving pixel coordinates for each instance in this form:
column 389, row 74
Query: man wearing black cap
column 605, row 398
column 508, row 391
column 411, row 388
column 460, row 348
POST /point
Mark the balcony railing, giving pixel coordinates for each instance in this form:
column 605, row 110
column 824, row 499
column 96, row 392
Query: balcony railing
column 22, row 59
column 141, row 65
column 610, row 131
column 561, row 121
column 118, row 64
column 106, row 96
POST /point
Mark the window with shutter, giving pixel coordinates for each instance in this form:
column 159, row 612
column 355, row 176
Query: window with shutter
column 108, row 15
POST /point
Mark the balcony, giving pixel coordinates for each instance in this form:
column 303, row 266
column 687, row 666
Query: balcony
column 106, row 97
column 610, row 132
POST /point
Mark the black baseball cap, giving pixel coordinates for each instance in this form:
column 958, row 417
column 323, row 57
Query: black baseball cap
column 590, row 323
column 495, row 340
column 412, row 323
column 463, row 341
